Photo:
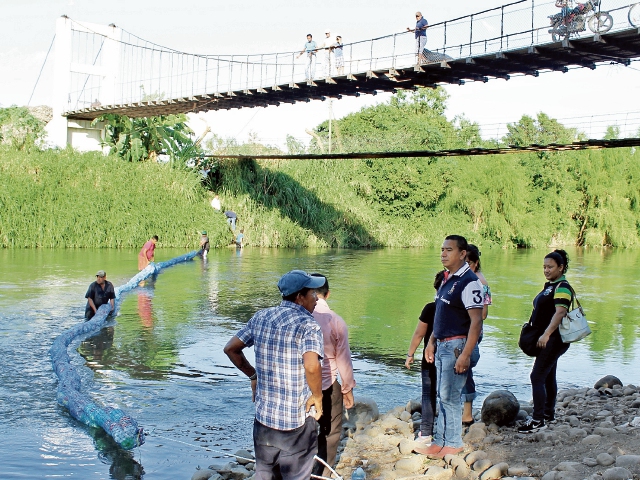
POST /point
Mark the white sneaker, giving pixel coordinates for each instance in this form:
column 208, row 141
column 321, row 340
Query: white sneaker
column 426, row 441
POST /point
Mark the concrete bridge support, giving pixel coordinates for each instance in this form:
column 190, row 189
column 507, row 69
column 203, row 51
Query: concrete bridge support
column 72, row 70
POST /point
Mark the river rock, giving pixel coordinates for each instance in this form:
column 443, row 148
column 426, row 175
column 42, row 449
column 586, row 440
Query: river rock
column 474, row 456
column 577, row 433
column 238, row 473
column 411, row 463
column 549, row 475
column 605, row 459
column 566, row 466
column 603, row 431
column 203, row 475
column 495, row 472
column 518, row 470
column 500, row 407
column 459, row 466
column 636, row 421
column 414, row 406
column 241, row 455
column 436, row 472
column 591, row 440
column 590, row 462
column 406, row 446
column 475, row 435
column 617, row 473
column 405, row 416
column 627, row 461
column 607, row 382
column 481, row 465
column 363, row 408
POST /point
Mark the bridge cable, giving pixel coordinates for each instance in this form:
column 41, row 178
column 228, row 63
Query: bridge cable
column 41, row 69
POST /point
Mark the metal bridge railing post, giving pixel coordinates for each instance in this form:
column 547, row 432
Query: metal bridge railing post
column 371, row 57
column 275, row 78
column 247, row 82
column 293, row 68
column 471, row 36
column 532, row 22
column 230, row 73
column 444, row 47
column 501, row 26
column 261, row 67
column 393, row 59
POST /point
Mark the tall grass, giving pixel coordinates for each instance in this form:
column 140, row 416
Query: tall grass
column 66, row 199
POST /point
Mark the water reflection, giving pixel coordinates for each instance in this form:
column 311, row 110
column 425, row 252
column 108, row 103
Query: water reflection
column 122, row 464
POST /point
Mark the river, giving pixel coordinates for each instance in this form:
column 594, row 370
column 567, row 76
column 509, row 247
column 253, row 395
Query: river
column 161, row 360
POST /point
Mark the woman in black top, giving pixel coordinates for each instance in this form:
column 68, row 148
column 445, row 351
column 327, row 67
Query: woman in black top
column 549, row 308
column 428, row 370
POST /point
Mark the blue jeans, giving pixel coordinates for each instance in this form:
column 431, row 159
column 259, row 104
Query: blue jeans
column 232, row 222
column 429, row 392
column 450, row 384
column 543, row 378
column 469, row 393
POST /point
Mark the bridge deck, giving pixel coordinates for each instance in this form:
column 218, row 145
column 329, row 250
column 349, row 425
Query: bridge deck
column 619, row 46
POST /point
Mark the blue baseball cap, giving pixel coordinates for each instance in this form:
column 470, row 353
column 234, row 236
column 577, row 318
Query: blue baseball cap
column 296, row 280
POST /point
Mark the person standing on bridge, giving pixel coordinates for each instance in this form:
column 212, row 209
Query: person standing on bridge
column 338, row 55
column 326, row 45
column 421, row 36
column 310, row 49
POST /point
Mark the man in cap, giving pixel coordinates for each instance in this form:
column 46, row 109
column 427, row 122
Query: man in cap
column 100, row 292
column 286, row 381
column 421, row 36
column 326, row 45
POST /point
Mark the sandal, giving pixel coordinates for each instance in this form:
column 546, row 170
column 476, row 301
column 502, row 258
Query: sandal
column 469, row 423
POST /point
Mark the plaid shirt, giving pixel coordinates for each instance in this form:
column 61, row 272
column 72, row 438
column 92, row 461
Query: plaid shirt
column 280, row 336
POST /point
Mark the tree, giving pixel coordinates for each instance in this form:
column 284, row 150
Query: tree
column 139, row 139
column 612, row 133
column 19, row 128
column 542, row 130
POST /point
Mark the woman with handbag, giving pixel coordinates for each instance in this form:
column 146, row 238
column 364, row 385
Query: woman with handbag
column 549, row 308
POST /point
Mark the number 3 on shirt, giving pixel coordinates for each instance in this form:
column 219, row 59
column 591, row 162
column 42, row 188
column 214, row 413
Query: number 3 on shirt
column 477, row 297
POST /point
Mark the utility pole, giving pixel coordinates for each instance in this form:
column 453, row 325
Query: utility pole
column 330, row 118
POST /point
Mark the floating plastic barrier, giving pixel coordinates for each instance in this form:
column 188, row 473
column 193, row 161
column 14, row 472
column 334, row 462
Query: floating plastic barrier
column 120, row 426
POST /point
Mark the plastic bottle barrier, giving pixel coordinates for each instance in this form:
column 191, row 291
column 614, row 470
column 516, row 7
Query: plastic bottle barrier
column 120, row 426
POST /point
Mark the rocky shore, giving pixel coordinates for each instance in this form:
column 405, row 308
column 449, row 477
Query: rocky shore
column 596, row 436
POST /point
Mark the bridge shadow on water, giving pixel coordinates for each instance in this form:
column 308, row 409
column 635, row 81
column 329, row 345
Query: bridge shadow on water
column 276, row 190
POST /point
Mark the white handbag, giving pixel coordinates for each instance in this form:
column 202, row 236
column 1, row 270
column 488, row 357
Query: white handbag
column 574, row 325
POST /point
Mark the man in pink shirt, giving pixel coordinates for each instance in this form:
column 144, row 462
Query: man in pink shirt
column 147, row 254
column 337, row 359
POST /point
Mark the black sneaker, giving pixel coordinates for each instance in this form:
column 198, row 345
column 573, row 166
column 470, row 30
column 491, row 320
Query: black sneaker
column 531, row 426
column 549, row 419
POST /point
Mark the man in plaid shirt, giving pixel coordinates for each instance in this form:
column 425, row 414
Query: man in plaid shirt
column 287, row 379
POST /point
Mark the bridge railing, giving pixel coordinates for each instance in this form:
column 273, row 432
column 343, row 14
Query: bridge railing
column 152, row 73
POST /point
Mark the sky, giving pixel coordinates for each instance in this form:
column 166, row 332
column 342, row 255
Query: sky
column 215, row 28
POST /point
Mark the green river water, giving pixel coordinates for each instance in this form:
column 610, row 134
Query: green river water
column 161, row 359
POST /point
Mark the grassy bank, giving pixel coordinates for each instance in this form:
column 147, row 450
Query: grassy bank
column 66, row 199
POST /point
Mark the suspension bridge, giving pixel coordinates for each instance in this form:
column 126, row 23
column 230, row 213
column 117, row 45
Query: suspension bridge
column 104, row 69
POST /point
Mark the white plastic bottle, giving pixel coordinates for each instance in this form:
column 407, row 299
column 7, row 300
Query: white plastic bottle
column 359, row 474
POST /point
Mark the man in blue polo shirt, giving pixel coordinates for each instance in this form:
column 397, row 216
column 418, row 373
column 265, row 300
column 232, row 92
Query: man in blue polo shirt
column 456, row 329
column 287, row 379
column 421, row 36
column 310, row 49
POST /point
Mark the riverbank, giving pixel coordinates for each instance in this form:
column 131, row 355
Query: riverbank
column 596, row 436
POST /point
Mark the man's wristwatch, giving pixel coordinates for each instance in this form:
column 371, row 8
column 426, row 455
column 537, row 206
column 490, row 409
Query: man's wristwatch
column 410, row 356
column 254, row 376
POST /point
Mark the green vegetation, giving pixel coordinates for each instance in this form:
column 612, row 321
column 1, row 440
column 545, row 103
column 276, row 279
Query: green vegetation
column 67, row 199
column 19, row 128
column 587, row 198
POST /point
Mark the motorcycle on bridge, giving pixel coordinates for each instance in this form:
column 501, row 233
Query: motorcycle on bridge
column 573, row 20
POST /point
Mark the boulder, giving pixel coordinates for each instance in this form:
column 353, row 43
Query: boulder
column 607, row 382
column 410, row 464
column 617, row 473
column 363, row 407
column 203, row 475
column 500, row 407
column 244, row 457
